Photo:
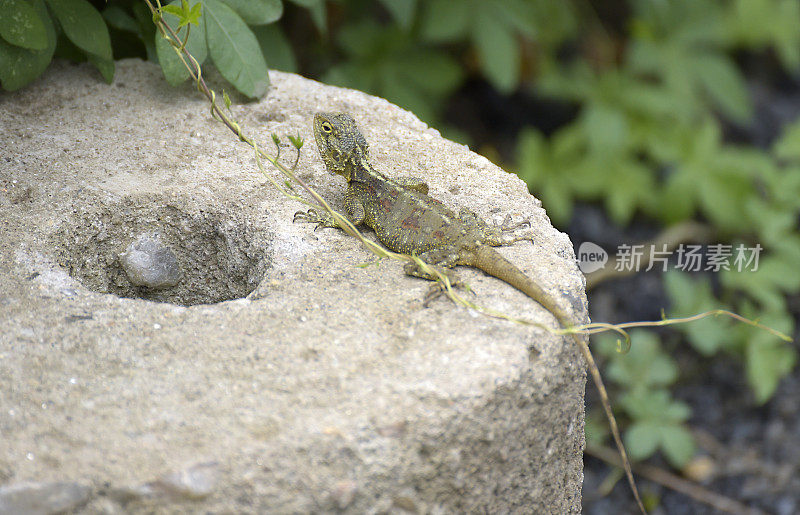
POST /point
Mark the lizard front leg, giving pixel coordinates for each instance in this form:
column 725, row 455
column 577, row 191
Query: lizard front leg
column 312, row 216
column 495, row 235
column 413, row 184
column 353, row 206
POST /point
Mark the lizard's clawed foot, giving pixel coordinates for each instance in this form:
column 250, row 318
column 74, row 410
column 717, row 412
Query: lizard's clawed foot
column 438, row 289
column 312, row 216
column 509, row 225
column 502, row 234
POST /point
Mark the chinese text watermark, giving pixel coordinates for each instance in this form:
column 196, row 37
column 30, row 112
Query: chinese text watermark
column 687, row 258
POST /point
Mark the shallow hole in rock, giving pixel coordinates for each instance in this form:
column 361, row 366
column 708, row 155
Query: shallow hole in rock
column 164, row 249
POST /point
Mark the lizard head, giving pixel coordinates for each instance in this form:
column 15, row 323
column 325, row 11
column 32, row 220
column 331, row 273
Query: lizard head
column 341, row 145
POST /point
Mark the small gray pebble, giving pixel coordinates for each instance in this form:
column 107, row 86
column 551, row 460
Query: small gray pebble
column 150, row 263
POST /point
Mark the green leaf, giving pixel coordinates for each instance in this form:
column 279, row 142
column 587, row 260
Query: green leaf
column 774, row 276
column 275, row 47
column 780, row 269
column 498, row 51
column 536, row 167
column 756, row 23
column 20, row 66
column 21, row 25
column 723, row 196
column 772, row 220
column 116, row 17
column 523, row 15
column 174, row 70
column 567, row 144
column 297, row 141
column 405, row 94
column 642, row 439
column 655, row 405
column 257, row 12
column 708, row 335
column 103, row 65
column 724, row 84
column 785, row 34
column 768, row 361
column 432, row 72
column 677, row 443
column 788, row 146
column 690, row 296
column 444, row 21
column 678, row 196
column 367, row 40
column 545, row 168
column 83, row 25
column 783, row 187
column 532, row 155
column 350, row 75
column 645, row 365
column 606, row 128
column 402, row 11
column 175, row 11
column 633, row 186
column 186, row 13
column 557, row 202
column 386, row 61
column 234, row 49
column 759, row 285
column 194, row 15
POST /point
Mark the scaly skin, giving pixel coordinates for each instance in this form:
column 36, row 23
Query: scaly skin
column 408, row 221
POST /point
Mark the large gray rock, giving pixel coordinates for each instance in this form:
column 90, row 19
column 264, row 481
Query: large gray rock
column 277, row 375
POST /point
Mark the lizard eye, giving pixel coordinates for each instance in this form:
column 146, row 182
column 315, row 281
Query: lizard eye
column 327, row 128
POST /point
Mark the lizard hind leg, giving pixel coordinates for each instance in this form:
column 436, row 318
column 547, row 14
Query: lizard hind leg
column 442, row 260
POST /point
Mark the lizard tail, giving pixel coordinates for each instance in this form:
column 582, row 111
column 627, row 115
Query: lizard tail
column 494, row 264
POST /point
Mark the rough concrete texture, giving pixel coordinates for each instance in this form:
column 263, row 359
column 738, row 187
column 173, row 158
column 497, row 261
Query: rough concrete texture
column 278, row 375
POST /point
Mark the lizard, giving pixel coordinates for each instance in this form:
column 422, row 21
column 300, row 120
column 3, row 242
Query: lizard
column 409, row 221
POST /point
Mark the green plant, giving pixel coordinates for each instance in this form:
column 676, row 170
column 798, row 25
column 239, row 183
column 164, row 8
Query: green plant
column 389, row 62
column 30, row 30
column 644, row 376
column 494, row 28
column 235, row 34
column 648, row 141
column 420, row 59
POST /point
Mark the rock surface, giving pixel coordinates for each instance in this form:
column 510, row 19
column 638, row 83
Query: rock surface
column 311, row 383
column 42, row 498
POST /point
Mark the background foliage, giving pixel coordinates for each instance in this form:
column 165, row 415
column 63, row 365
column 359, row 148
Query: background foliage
column 645, row 108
